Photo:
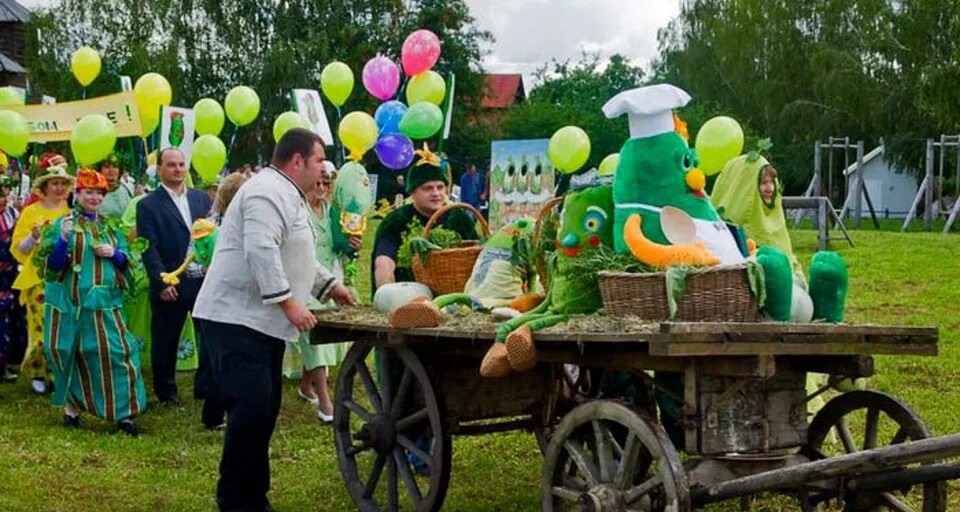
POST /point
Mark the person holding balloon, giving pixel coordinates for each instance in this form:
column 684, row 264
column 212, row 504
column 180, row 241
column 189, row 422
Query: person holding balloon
column 94, row 358
column 52, row 185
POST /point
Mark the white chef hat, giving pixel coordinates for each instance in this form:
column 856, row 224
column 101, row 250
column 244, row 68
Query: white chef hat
column 649, row 109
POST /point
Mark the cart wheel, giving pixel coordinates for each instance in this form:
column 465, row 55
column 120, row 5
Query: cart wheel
column 384, row 424
column 578, row 384
column 862, row 420
column 607, row 456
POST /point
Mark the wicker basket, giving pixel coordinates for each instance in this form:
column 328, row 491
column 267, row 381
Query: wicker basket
column 541, row 261
column 717, row 294
column 448, row 270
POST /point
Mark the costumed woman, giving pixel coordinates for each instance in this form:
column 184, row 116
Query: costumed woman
column 314, row 360
column 94, row 358
column 13, row 320
column 52, row 185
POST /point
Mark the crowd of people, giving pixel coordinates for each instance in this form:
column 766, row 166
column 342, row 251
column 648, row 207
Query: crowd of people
column 78, row 303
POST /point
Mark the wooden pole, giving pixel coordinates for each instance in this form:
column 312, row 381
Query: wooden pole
column 858, row 187
column 859, row 463
column 928, row 192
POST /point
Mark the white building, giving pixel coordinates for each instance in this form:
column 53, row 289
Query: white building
column 891, row 189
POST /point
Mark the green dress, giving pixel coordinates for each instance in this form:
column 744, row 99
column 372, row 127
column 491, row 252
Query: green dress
column 94, row 358
column 301, row 354
column 137, row 306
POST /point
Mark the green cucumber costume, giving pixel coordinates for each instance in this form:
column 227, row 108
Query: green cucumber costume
column 585, row 224
column 657, row 170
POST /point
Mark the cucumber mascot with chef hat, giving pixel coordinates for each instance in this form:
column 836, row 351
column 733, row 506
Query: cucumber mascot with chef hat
column 662, row 213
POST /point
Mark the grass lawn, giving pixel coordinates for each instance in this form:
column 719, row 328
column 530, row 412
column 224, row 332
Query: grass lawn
column 896, row 278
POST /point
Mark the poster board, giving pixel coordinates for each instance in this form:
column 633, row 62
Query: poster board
column 177, row 130
column 521, row 180
column 307, row 102
column 49, row 123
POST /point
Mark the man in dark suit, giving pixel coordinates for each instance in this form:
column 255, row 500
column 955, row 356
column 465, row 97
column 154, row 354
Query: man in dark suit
column 165, row 218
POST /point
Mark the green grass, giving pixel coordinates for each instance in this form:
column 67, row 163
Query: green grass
column 895, row 279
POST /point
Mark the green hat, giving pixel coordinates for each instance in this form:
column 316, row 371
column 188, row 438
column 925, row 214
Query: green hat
column 52, row 172
column 425, row 170
column 7, row 181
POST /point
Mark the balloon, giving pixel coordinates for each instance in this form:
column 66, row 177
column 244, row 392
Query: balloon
column 151, row 92
column 608, row 166
column 358, row 132
column 395, row 151
column 242, row 105
column 85, row 65
column 336, row 81
column 209, row 155
column 420, row 52
column 569, row 149
column 388, row 116
column 92, row 139
column 427, row 86
column 10, row 96
column 421, row 121
column 719, row 140
column 14, row 133
column 381, row 78
column 285, row 122
column 209, row 117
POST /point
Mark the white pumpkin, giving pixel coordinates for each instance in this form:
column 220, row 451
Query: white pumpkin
column 393, row 295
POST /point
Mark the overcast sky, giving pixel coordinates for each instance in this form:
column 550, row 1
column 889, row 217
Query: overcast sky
column 530, row 32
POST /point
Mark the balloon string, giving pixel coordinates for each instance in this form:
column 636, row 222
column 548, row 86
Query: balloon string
column 233, row 138
column 338, row 147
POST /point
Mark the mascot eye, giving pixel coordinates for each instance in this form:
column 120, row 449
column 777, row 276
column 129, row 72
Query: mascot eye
column 687, row 162
column 593, row 222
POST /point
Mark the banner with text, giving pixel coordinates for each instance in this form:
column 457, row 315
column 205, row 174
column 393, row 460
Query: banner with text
column 54, row 122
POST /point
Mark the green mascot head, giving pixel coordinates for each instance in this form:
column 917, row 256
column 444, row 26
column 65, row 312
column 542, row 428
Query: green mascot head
column 586, row 221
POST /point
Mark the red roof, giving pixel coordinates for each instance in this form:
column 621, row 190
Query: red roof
column 503, row 90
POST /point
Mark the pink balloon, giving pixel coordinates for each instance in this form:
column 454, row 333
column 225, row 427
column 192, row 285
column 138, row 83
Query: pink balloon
column 420, row 52
column 381, row 77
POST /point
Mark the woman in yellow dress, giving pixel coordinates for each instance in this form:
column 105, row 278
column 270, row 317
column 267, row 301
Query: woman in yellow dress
column 53, row 185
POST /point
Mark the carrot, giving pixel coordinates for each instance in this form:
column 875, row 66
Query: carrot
column 664, row 256
column 526, row 302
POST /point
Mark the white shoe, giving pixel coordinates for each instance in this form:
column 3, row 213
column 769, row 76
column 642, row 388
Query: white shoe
column 315, row 400
column 324, row 417
column 39, row 386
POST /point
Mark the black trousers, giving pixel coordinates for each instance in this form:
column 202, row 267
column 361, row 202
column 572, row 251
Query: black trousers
column 165, row 328
column 204, row 380
column 248, row 370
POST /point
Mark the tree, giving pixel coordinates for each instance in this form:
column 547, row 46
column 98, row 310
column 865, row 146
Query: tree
column 206, row 47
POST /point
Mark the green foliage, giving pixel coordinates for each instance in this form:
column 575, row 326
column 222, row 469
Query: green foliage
column 798, row 72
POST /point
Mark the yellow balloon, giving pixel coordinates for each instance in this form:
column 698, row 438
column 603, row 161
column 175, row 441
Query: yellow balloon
column 358, row 132
column 152, row 158
column 151, row 92
column 85, row 65
column 608, row 166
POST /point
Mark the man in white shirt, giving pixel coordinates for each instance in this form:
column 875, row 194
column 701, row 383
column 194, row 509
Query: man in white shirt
column 254, row 297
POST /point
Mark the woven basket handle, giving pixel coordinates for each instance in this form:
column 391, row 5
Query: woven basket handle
column 435, row 218
column 542, row 216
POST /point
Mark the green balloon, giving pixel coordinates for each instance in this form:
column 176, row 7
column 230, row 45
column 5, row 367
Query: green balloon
column 10, row 96
column 569, row 149
column 336, row 81
column 421, row 121
column 14, row 133
column 242, row 105
column 719, row 140
column 92, row 139
column 427, row 86
column 608, row 166
column 287, row 121
column 209, row 155
column 209, row 117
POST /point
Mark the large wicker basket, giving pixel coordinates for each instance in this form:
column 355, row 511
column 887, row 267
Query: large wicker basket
column 540, row 258
column 716, row 294
column 448, row 270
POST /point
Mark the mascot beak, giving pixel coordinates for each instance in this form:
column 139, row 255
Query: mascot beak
column 697, row 181
column 570, row 245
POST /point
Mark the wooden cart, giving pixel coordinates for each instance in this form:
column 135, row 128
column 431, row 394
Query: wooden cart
column 741, row 412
